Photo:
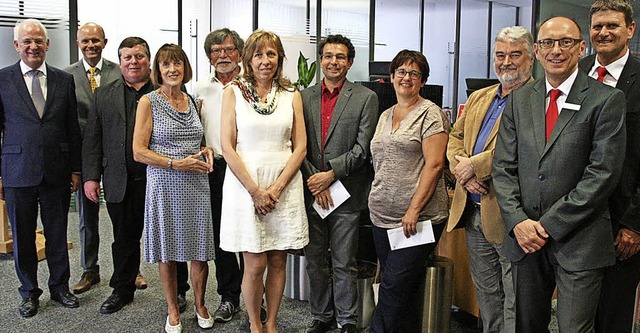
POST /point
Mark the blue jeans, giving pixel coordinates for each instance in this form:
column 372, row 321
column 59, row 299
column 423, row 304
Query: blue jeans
column 401, row 272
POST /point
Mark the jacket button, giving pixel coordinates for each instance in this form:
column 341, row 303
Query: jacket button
column 535, row 207
column 541, row 177
column 319, row 156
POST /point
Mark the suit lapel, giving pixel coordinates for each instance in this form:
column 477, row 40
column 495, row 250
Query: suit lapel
column 343, row 99
column 316, row 113
column 479, row 118
column 82, row 73
column 628, row 76
column 21, row 88
column 538, row 110
column 106, row 72
column 52, row 78
column 576, row 96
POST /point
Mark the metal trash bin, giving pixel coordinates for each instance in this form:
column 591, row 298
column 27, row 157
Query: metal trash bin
column 297, row 283
column 431, row 304
column 366, row 304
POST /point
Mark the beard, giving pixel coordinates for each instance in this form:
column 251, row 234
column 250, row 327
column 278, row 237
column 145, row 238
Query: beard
column 227, row 68
column 511, row 78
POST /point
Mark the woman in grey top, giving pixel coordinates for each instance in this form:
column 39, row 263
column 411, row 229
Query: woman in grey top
column 408, row 151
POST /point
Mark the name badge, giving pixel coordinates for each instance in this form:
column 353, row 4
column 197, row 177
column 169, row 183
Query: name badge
column 571, row 106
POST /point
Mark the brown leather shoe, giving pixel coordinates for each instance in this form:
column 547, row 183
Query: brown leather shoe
column 87, row 280
column 141, row 282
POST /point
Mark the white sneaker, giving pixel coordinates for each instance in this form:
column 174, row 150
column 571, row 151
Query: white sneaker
column 205, row 323
column 172, row 328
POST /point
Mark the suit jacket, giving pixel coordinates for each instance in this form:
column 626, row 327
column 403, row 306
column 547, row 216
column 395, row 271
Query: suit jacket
column 109, row 72
column 565, row 182
column 461, row 143
column 346, row 150
column 38, row 149
column 625, row 200
column 103, row 149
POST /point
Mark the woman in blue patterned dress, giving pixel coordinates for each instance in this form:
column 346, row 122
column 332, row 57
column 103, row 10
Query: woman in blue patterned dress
column 177, row 216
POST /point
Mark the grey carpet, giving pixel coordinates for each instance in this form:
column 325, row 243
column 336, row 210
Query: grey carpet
column 147, row 313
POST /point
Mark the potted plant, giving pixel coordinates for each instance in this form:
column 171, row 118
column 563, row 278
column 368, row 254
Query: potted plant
column 306, row 72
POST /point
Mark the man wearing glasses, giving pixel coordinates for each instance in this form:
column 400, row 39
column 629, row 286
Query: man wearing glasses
column 612, row 27
column 470, row 152
column 558, row 158
column 340, row 119
column 224, row 50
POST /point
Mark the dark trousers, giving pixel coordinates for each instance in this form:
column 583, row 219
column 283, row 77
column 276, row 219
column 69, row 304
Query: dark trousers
column 22, row 208
column 535, row 278
column 618, row 295
column 401, row 271
column 127, row 218
column 228, row 268
column 89, row 235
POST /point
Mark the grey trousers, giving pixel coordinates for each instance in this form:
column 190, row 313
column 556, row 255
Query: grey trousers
column 89, row 231
column 491, row 273
column 333, row 274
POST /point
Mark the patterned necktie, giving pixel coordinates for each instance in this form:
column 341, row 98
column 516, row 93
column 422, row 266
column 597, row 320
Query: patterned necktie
column 601, row 73
column 36, row 92
column 92, row 79
column 552, row 112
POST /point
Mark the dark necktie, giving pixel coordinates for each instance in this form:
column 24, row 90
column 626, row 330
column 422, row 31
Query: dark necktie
column 552, row 112
column 601, row 73
column 36, row 92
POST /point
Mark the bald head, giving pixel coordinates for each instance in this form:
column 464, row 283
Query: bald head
column 91, row 41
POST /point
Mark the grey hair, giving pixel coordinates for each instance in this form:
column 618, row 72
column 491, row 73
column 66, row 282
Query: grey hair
column 218, row 37
column 516, row 34
column 21, row 24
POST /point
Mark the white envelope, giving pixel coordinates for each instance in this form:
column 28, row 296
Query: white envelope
column 339, row 195
column 397, row 240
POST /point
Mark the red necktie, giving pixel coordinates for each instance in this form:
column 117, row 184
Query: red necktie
column 552, row 112
column 601, row 73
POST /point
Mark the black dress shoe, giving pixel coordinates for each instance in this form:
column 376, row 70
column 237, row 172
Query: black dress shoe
column 67, row 299
column 114, row 303
column 349, row 328
column 318, row 326
column 29, row 307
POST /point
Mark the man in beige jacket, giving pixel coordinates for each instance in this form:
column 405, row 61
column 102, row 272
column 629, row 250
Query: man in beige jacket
column 470, row 153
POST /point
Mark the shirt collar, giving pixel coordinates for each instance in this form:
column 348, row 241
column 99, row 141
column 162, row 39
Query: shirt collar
column 26, row 69
column 336, row 90
column 87, row 66
column 614, row 69
column 565, row 86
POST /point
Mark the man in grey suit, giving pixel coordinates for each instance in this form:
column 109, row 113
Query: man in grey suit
column 107, row 154
column 612, row 27
column 340, row 119
column 89, row 73
column 40, row 162
column 553, row 173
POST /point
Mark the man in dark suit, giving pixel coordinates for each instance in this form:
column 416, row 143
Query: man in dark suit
column 553, row 173
column 107, row 154
column 612, row 27
column 340, row 118
column 89, row 73
column 40, row 157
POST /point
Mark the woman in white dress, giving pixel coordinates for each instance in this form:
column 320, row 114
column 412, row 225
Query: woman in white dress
column 264, row 143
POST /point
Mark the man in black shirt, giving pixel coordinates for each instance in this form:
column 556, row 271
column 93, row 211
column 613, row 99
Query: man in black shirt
column 107, row 153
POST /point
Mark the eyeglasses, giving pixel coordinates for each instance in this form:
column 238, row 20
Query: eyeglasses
column 564, row 43
column 216, row 51
column 339, row 57
column 412, row 74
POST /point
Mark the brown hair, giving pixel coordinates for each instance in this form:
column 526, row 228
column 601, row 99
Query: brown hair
column 170, row 52
column 616, row 5
column 257, row 40
column 408, row 56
